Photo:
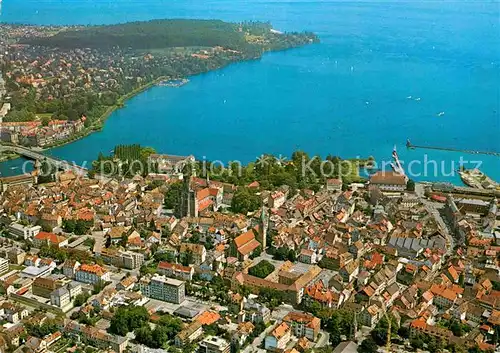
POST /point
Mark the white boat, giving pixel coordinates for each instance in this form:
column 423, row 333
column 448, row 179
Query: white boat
column 441, row 114
column 417, row 99
column 409, row 97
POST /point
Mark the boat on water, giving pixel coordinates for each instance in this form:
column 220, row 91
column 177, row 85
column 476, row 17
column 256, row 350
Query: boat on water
column 441, row 114
column 409, row 97
column 417, row 99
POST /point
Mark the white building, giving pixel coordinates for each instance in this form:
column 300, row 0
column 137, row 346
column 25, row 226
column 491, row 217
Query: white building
column 24, row 232
column 213, row 344
column 164, row 288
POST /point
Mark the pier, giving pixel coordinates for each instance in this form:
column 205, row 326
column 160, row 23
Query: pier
column 490, row 153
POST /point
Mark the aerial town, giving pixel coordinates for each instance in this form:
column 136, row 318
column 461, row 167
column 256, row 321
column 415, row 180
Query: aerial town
column 171, row 261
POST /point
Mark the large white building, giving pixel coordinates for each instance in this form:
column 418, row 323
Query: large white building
column 24, row 232
column 164, row 288
column 63, row 296
column 214, row 344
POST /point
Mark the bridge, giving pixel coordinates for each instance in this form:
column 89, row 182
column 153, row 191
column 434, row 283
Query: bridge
column 38, row 156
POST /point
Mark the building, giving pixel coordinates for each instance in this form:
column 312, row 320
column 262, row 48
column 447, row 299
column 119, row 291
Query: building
column 244, row 245
column 34, row 272
column 70, row 267
column 175, row 270
column 24, row 232
column 192, row 253
column 292, row 284
column 346, row 347
column 303, row 325
column 388, row 181
column 276, row 199
column 49, row 239
column 123, row 259
column 43, row 286
column 16, row 256
column 370, row 316
column 334, row 184
column 163, row 288
column 97, row 338
column 60, row 297
column 170, row 164
column 189, row 334
column 308, row 256
column 63, row 297
column 92, row 274
column 131, row 260
column 13, row 313
column 213, row 344
column 4, row 265
column 26, row 180
column 279, row 337
column 419, row 326
column 443, row 297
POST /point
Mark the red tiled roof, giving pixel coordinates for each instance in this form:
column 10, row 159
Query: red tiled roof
column 387, row 177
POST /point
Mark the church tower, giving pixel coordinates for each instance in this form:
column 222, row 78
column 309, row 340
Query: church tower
column 263, row 225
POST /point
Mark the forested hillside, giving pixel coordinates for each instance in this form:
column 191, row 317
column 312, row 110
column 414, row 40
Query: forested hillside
column 166, row 34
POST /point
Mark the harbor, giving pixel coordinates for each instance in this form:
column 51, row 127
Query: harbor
column 477, row 179
column 490, row 153
column 173, row 83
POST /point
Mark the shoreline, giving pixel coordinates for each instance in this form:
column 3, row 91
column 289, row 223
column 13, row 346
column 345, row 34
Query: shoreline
column 99, row 124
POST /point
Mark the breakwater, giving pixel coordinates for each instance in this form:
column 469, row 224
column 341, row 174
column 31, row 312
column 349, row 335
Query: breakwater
column 490, row 153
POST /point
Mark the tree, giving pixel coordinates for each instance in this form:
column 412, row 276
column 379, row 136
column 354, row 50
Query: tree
column 45, row 120
column 368, row 346
column 281, row 253
column 263, row 269
column 410, row 185
column 456, row 328
column 235, row 346
column 404, row 332
column 80, row 299
column 108, row 242
column 124, row 240
column 69, row 225
column 127, row 319
column 379, row 335
column 417, row 343
column 245, row 200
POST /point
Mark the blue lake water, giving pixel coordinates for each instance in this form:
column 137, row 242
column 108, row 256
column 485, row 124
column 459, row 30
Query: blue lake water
column 345, row 96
